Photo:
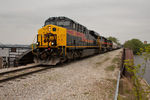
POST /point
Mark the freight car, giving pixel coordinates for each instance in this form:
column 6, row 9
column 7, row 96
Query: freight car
column 61, row 39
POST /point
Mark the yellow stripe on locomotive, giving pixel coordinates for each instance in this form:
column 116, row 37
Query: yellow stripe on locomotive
column 51, row 36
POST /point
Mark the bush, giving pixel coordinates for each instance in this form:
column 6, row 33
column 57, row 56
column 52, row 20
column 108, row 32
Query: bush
column 134, row 44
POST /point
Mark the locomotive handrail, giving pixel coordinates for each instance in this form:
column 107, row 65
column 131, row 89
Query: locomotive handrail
column 34, row 46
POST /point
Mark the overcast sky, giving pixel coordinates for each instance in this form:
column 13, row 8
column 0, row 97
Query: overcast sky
column 123, row 19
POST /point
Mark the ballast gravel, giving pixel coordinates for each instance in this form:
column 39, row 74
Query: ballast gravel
column 86, row 79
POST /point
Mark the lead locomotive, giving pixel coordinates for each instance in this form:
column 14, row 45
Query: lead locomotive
column 62, row 38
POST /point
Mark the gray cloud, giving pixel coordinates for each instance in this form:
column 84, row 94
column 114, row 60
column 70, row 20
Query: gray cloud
column 124, row 19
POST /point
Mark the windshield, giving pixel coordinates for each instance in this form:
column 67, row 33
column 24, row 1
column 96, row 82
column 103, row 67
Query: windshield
column 50, row 22
column 63, row 23
column 59, row 23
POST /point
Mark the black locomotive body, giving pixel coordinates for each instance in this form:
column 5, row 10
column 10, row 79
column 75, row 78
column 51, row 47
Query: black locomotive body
column 62, row 38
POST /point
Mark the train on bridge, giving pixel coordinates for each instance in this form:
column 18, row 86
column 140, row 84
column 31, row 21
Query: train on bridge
column 62, row 39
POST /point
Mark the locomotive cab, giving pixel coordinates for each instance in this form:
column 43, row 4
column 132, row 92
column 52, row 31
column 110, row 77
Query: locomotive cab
column 51, row 40
column 51, row 36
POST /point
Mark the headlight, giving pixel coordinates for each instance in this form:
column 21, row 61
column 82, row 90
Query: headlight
column 49, row 28
column 52, row 43
column 37, row 43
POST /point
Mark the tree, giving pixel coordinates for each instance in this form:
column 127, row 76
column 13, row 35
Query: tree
column 134, row 44
column 113, row 39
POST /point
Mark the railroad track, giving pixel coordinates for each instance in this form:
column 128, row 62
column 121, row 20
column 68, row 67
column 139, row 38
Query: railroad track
column 21, row 72
column 17, row 73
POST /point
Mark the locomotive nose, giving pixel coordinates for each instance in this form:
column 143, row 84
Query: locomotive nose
column 50, row 39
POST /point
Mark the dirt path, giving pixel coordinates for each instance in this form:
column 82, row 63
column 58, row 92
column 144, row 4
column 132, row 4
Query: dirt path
column 92, row 78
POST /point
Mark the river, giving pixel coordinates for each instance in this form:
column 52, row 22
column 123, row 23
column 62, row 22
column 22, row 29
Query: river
column 140, row 60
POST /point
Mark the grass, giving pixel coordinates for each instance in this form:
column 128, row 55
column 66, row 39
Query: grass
column 106, row 59
column 49, row 78
column 110, row 68
column 86, row 93
column 74, row 95
column 110, row 96
column 53, row 77
column 115, row 60
column 100, row 63
column 112, row 83
column 25, row 85
column 126, row 90
column 112, row 80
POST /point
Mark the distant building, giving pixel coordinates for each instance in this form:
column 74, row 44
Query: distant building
column 8, row 54
column 145, row 42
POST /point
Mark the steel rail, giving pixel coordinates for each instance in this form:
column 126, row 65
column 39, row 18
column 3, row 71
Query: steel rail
column 23, row 74
column 17, row 70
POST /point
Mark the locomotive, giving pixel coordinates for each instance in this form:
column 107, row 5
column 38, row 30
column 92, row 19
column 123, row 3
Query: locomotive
column 62, row 39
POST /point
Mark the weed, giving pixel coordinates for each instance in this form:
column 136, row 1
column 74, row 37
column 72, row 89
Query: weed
column 85, row 93
column 110, row 96
column 49, row 78
column 113, row 81
column 99, row 63
column 73, row 94
column 110, row 68
column 106, row 59
column 115, row 60
column 25, row 85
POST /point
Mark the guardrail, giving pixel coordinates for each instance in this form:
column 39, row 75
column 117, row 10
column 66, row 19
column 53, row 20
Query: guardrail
column 117, row 87
column 121, row 72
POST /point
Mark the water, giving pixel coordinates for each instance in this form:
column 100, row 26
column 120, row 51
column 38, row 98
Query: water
column 140, row 60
